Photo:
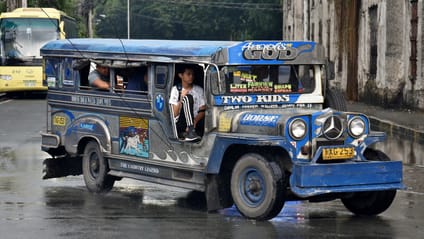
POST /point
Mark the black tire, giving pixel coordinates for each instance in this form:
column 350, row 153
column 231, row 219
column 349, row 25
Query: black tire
column 258, row 187
column 335, row 100
column 95, row 168
column 373, row 202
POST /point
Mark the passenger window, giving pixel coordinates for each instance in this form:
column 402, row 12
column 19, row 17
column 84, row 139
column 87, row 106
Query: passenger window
column 59, row 73
column 161, row 76
column 52, row 69
column 134, row 79
column 67, row 74
column 82, row 69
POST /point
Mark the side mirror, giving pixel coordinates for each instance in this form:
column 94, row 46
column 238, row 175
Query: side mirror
column 330, row 70
column 62, row 33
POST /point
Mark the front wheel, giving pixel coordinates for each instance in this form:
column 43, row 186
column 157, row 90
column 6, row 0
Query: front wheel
column 94, row 167
column 374, row 202
column 369, row 203
column 258, row 187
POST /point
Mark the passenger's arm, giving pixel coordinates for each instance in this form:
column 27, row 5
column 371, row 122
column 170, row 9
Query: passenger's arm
column 101, row 84
column 175, row 102
column 200, row 115
column 176, row 108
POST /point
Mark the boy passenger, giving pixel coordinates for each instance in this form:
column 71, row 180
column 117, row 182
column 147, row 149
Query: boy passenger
column 188, row 105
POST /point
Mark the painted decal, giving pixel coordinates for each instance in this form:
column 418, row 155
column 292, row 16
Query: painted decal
column 59, row 120
column 283, row 88
column 159, row 102
column 140, row 168
column 269, row 51
column 238, row 88
column 224, row 122
column 134, row 136
column 263, row 87
column 51, row 81
column 251, row 99
column 244, row 76
column 91, row 100
column 87, row 126
column 274, row 106
column 260, row 87
column 251, row 119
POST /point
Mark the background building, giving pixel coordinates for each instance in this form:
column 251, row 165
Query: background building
column 376, row 45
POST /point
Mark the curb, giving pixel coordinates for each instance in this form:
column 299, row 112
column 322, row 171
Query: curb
column 394, row 129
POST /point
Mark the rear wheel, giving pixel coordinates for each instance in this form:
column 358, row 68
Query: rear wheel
column 95, row 168
column 257, row 187
column 373, row 202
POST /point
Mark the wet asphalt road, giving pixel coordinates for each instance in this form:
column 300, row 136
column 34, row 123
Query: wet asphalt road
column 62, row 208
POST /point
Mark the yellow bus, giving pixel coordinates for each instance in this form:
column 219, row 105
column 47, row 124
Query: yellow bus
column 23, row 32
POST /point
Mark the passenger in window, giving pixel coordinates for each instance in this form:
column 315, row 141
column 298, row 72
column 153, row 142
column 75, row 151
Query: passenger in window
column 99, row 78
column 188, row 105
column 135, row 84
column 145, row 85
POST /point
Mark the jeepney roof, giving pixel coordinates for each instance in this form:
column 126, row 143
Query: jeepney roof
column 219, row 52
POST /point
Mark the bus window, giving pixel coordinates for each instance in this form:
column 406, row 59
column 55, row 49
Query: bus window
column 23, row 32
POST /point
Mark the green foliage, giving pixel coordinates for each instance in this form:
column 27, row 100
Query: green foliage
column 176, row 19
column 190, row 19
column 67, row 6
column 3, row 6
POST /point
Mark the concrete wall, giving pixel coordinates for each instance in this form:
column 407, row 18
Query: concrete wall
column 372, row 44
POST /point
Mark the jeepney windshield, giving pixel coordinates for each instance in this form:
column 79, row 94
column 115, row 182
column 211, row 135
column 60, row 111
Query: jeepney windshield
column 22, row 38
column 266, row 79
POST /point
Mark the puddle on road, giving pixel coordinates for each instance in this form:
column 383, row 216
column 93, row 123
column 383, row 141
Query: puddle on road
column 7, row 159
column 410, row 153
column 405, row 150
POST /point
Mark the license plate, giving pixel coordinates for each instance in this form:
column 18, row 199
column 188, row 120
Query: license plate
column 338, row 153
column 30, row 83
column 59, row 120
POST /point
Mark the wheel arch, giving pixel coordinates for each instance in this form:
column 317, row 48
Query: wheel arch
column 87, row 127
column 218, row 192
column 82, row 143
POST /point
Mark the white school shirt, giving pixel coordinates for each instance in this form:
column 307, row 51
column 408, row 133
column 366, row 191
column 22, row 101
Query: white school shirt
column 198, row 98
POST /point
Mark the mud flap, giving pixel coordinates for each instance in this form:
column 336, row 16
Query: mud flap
column 217, row 195
column 61, row 167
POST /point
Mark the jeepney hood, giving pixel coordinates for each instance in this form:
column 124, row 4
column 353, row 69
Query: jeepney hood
column 258, row 121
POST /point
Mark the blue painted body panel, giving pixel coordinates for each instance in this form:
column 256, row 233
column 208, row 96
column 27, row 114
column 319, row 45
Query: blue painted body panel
column 224, row 52
column 313, row 179
column 143, row 47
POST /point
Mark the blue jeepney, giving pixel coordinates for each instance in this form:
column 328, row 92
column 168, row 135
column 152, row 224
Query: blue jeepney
column 273, row 129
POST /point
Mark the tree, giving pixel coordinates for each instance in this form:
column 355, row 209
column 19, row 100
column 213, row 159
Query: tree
column 191, row 19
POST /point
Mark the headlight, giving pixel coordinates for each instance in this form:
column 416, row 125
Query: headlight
column 297, row 129
column 356, row 127
column 5, row 77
